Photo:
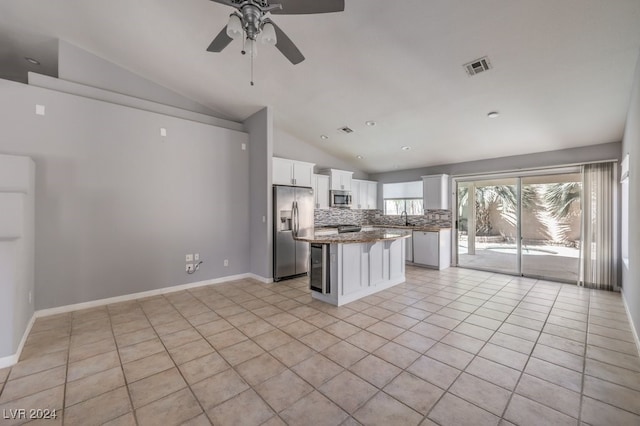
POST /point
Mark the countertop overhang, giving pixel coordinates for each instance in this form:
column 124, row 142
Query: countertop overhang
column 381, row 234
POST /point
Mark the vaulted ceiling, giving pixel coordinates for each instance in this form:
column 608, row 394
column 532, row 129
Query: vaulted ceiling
column 561, row 70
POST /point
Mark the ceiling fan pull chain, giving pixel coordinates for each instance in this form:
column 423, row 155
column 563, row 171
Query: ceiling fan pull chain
column 252, row 68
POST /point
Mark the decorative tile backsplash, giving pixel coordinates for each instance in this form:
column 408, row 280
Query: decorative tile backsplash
column 331, row 217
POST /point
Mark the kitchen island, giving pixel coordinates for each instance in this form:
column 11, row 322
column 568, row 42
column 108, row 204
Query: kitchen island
column 347, row 267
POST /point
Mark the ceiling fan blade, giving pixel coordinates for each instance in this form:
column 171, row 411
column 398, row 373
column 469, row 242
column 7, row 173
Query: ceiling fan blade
column 286, row 46
column 221, row 41
column 304, row 7
column 225, row 2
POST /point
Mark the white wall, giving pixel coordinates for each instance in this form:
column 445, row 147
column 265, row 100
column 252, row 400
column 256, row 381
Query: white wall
column 286, row 145
column 631, row 146
column 260, row 128
column 117, row 205
column 17, row 193
column 80, row 66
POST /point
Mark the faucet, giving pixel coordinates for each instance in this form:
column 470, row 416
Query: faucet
column 406, row 218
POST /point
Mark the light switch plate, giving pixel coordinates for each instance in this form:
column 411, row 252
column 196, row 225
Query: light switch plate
column 196, row 257
column 39, row 109
column 189, row 258
column 163, row 131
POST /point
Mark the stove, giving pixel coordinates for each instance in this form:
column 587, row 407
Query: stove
column 348, row 228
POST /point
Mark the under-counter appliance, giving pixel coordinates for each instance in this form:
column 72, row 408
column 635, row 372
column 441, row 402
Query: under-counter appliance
column 320, row 273
column 340, row 199
column 292, row 215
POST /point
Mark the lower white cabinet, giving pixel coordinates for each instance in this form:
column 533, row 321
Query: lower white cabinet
column 432, row 248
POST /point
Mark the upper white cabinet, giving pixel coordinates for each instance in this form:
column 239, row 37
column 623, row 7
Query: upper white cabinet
column 340, row 180
column 436, row 192
column 321, row 191
column 365, row 194
column 292, row 172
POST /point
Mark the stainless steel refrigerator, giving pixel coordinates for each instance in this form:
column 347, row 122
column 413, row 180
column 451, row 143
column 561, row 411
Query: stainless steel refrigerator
column 292, row 215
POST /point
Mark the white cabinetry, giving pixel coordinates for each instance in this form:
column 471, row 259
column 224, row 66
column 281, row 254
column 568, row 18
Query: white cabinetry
column 360, row 269
column 321, row 191
column 365, row 194
column 340, row 180
column 436, row 192
column 292, row 172
column 409, row 249
column 432, row 248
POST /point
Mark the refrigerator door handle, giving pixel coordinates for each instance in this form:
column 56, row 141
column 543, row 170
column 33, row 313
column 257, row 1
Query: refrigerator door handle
column 295, row 217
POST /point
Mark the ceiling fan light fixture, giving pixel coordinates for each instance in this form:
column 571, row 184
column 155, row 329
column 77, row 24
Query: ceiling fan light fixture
column 268, row 35
column 251, row 47
column 234, row 26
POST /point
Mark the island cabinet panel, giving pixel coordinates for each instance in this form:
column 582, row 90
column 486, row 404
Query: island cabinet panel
column 351, row 276
column 396, row 259
column 365, row 264
column 376, row 262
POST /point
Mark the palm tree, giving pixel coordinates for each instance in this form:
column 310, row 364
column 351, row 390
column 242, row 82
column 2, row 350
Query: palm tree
column 560, row 197
column 504, row 196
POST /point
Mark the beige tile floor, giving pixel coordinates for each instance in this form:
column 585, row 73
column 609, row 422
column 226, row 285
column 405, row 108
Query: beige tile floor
column 456, row 347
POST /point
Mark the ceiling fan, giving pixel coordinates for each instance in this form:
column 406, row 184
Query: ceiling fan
column 251, row 19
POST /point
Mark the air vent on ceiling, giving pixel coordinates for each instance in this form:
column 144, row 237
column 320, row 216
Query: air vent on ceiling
column 477, row 66
column 346, row 129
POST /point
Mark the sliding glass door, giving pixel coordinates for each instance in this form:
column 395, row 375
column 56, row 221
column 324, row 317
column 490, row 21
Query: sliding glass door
column 521, row 224
column 487, row 225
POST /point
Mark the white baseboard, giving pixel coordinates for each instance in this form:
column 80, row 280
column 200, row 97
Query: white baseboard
column 133, row 296
column 261, row 279
column 10, row 360
column 633, row 328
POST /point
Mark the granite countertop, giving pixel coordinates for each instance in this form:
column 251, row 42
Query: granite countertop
column 425, row 228
column 380, row 234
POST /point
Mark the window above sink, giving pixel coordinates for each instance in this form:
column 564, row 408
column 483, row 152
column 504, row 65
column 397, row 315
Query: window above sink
column 403, row 197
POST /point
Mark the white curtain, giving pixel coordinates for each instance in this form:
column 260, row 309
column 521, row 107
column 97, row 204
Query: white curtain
column 597, row 250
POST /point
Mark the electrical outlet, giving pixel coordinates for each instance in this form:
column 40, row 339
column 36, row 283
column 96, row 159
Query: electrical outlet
column 226, row 262
column 196, row 257
column 189, row 267
column 189, row 258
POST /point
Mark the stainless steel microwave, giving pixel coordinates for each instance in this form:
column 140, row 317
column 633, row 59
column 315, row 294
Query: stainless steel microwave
column 340, row 199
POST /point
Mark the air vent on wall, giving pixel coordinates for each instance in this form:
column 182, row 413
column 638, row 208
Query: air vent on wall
column 477, row 66
column 346, row 129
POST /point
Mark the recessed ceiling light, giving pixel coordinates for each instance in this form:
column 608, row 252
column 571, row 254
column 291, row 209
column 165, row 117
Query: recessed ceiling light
column 406, row 148
column 359, row 157
column 493, row 114
column 324, row 137
column 370, row 123
column 32, row 61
